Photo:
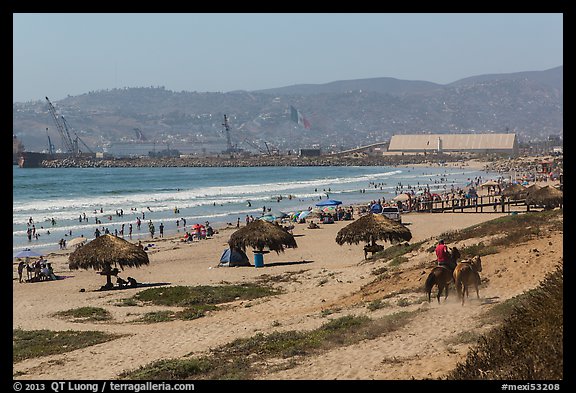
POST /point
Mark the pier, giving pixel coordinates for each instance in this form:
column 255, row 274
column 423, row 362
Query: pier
column 480, row 204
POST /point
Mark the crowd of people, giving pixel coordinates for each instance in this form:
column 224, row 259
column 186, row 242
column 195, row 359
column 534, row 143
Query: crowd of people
column 39, row 270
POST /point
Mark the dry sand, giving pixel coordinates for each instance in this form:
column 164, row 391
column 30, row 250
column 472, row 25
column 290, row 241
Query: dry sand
column 323, row 281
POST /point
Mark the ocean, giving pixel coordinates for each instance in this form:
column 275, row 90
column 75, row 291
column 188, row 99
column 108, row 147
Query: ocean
column 55, row 200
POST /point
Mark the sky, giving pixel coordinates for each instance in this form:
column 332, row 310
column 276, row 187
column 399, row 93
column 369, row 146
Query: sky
column 61, row 54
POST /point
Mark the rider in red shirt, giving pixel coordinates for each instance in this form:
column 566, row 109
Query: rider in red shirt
column 442, row 254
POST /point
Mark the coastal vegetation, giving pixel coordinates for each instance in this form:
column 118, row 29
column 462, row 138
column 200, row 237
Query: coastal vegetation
column 28, row 344
column 85, row 314
column 528, row 345
column 196, row 300
column 242, row 358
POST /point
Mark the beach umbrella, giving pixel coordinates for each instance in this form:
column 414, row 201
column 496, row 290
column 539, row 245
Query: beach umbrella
column 549, row 197
column 304, row 214
column 267, row 217
column 106, row 251
column 77, row 241
column 329, row 202
column 372, row 227
column 401, row 197
column 513, row 191
column 276, row 213
column 27, row 253
column 489, row 183
column 259, row 234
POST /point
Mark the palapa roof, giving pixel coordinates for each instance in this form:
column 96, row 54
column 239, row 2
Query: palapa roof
column 260, row 234
column 528, row 190
column 513, row 190
column 107, row 250
column 546, row 196
column 373, row 227
column 489, row 183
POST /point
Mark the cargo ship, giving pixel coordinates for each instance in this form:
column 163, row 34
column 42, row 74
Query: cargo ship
column 31, row 159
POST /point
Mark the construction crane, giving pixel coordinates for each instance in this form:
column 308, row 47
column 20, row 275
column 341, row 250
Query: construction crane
column 50, row 144
column 274, row 149
column 76, row 139
column 254, row 145
column 229, row 147
column 69, row 145
column 226, row 126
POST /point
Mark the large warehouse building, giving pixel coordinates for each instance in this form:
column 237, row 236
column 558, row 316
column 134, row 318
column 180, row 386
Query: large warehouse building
column 446, row 143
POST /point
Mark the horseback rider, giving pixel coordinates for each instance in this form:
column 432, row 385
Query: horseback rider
column 442, row 255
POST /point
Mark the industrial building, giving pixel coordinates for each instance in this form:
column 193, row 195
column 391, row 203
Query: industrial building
column 449, row 143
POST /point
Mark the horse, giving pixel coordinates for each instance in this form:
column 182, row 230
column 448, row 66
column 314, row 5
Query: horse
column 466, row 274
column 442, row 276
column 374, row 248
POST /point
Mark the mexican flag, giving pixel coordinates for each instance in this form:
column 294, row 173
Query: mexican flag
column 297, row 117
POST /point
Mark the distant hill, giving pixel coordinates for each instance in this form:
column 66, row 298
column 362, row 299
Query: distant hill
column 342, row 114
column 390, row 86
column 552, row 78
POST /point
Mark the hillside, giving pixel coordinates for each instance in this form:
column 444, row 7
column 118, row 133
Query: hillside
column 342, row 114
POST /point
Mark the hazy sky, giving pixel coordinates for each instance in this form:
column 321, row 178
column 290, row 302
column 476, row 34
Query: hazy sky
column 56, row 55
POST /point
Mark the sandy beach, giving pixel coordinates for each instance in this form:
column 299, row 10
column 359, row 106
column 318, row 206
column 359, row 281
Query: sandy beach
column 317, row 276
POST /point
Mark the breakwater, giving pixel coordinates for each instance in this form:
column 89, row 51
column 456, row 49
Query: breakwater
column 254, row 161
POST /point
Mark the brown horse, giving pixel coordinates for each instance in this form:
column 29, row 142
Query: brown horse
column 442, row 276
column 466, row 274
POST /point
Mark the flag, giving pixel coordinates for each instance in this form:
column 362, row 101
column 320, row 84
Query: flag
column 297, row 117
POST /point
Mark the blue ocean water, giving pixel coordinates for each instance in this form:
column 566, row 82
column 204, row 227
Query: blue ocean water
column 217, row 195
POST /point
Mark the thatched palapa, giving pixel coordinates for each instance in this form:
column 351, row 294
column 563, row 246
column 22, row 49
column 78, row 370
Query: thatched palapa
column 513, row 191
column 529, row 190
column 260, row 234
column 106, row 251
column 549, row 197
column 372, row 227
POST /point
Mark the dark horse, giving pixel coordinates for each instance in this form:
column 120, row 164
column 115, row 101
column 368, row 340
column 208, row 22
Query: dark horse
column 466, row 274
column 442, row 276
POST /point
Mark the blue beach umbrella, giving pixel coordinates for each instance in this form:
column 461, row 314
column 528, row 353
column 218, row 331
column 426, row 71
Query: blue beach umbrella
column 304, row 214
column 329, row 202
column 27, row 253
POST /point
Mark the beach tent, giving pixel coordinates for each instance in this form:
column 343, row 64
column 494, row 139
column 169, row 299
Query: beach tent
column 231, row 257
column 376, row 208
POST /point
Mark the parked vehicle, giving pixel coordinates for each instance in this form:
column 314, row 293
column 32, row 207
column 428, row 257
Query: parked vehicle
column 392, row 212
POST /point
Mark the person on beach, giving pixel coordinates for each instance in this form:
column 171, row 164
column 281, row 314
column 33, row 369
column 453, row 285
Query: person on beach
column 21, row 267
column 132, row 282
column 442, row 255
column 161, row 228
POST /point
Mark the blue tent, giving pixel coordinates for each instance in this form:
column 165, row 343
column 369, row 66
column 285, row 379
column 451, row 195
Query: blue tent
column 376, row 208
column 232, row 257
column 329, row 202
